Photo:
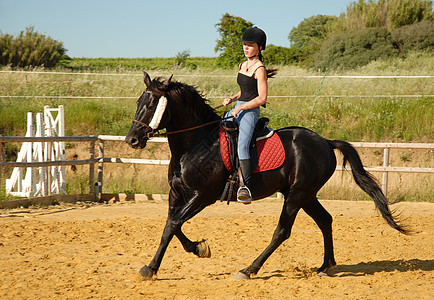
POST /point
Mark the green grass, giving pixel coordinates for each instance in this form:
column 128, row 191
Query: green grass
column 119, row 64
column 337, row 113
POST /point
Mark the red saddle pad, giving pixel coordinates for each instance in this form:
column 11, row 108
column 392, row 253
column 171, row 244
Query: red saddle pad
column 271, row 153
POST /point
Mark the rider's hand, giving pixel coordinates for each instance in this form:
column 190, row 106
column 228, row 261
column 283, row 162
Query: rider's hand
column 227, row 101
column 235, row 111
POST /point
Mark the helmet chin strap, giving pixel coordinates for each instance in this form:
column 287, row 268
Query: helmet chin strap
column 258, row 54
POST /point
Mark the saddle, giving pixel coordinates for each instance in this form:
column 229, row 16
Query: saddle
column 266, row 150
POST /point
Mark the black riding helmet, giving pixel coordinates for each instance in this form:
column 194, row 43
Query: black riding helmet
column 255, row 35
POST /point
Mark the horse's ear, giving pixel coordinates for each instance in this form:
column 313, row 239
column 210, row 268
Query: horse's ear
column 146, row 79
column 167, row 82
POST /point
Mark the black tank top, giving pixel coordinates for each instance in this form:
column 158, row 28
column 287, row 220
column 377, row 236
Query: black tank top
column 248, row 86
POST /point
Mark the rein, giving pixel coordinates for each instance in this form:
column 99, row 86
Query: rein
column 152, row 133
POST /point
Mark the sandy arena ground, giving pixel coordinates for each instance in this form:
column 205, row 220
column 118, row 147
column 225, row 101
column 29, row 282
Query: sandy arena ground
column 95, row 252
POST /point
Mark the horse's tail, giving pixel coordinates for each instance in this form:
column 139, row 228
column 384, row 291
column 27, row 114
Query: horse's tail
column 367, row 183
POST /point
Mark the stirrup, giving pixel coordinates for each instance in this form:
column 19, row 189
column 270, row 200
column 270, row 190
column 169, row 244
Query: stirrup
column 244, row 195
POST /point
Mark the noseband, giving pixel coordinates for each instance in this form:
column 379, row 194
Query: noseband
column 151, row 133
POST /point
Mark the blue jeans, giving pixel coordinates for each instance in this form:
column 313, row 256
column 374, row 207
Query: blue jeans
column 246, row 121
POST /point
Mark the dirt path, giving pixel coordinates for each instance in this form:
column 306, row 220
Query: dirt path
column 82, row 252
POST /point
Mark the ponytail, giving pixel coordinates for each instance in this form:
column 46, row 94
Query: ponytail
column 270, row 72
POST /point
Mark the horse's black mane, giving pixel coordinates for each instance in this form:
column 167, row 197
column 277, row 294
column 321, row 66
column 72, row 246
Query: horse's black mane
column 190, row 96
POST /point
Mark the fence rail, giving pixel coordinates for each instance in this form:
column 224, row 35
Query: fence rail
column 219, row 75
column 385, row 168
column 344, row 77
column 101, row 159
column 35, row 139
column 48, row 163
column 221, row 97
column 45, row 164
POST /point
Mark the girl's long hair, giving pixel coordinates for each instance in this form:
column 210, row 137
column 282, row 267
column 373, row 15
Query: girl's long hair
column 270, row 72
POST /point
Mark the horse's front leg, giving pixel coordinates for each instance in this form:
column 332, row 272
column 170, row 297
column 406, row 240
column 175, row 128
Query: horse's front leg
column 148, row 271
column 177, row 217
column 199, row 248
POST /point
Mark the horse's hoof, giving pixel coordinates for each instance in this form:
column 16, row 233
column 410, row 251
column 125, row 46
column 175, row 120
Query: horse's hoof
column 203, row 250
column 146, row 273
column 241, row 275
column 323, row 272
column 325, row 268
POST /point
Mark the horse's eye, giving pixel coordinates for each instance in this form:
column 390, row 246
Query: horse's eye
column 143, row 97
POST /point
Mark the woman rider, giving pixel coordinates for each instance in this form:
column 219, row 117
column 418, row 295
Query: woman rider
column 252, row 79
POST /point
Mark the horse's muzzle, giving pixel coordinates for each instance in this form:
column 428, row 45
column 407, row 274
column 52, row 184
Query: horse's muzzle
column 135, row 143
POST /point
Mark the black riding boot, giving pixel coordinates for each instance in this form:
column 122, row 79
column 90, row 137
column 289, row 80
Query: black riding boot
column 243, row 194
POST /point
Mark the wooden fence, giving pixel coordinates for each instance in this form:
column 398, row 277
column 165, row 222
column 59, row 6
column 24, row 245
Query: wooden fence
column 50, row 198
column 96, row 188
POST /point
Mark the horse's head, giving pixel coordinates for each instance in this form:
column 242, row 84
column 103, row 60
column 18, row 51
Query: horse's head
column 150, row 113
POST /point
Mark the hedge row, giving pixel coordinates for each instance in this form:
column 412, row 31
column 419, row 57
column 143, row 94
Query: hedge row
column 351, row 49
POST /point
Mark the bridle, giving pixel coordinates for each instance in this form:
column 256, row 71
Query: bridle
column 155, row 133
column 150, row 133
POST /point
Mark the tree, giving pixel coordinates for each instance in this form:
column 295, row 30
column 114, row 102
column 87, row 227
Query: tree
column 311, row 30
column 408, row 12
column 308, row 36
column 231, row 30
column 383, row 13
column 30, row 48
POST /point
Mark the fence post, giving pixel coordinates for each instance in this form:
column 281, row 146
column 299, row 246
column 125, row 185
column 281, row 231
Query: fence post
column 48, row 148
column 2, row 172
column 31, row 171
column 48, row 157
column 385, row 174
column 100, row 167
column 39, row 148
column 92, row 169
column 62, row 170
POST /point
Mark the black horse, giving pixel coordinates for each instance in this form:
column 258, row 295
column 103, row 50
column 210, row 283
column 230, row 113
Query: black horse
column 197, row 175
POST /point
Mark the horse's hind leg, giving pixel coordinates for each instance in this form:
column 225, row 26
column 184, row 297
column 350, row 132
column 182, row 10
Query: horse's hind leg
column 282, row 232
column 324, row 221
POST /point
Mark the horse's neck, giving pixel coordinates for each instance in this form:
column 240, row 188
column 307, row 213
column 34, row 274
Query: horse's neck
column 193, row 141
column 190, row 139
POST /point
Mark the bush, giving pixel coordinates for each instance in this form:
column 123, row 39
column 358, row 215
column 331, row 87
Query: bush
column 278, row 55
column 348, row 50
column 181, row 57
column 418, row 37
column 30, row 48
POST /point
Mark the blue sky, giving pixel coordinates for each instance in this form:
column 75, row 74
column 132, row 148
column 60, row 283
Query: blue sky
column 157, row 28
